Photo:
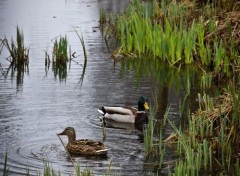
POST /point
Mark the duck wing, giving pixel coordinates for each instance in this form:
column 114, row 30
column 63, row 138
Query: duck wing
column 87, row 142
column 87, row 147
column 117, row 110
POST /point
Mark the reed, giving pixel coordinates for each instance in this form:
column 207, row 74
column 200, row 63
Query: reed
column 18, row 52
column 5, row 168
column 61, row 56
column 173, row 32
column 83, row 45
column 148, row 134
column 60, row 52
column 161, row 148
column 103, row 17
column 103, row 131
column 49, row 171
column 85, row 54
column 206, row 81
column 18, row 55
column 237, row 166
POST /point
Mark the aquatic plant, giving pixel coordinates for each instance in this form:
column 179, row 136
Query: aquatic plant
column 61, row 55
column 103, row 17
column 209, row 138
column 175, row 33
column 60, row 52
column 208, row 143
column 18, row 52
column 49, row 171
column 103, row 131
column 5, row 168
column 148, row 134
column 18, row 56
column 85, row 54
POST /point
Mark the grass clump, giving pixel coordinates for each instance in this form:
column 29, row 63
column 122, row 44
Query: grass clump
column 60, row 52
column 208, row 144
column 48, row 170
column 18, row 56
column 61, row 55
column 180, row 33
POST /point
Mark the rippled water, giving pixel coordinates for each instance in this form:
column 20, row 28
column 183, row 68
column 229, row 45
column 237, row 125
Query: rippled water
column 33, row 112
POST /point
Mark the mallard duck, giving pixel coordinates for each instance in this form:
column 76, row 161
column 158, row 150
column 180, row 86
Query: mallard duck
column 127, row 115
column 83, row 146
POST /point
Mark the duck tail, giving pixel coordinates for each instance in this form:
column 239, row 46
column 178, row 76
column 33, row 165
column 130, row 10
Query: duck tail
column 102, row 151
column 102, row 111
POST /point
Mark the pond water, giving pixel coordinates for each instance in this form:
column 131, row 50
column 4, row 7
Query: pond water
column 33, row 110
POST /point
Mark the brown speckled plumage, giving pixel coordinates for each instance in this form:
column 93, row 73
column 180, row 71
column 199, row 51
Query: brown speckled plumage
column 83, row 146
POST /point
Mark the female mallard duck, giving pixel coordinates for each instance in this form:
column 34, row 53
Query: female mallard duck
column 127, row 115
column 83, row 146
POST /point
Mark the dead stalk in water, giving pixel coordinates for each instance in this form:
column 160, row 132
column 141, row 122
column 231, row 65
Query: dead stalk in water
column 68, row 154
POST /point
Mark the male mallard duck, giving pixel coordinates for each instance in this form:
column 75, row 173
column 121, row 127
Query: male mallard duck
column 127, row 115
column 83, row 146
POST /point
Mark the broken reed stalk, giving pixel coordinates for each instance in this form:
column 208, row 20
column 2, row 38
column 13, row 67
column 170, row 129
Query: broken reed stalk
column 68, row 155
column 83, row 45
column 103, row 131
column 85, row 55
column 5, row 169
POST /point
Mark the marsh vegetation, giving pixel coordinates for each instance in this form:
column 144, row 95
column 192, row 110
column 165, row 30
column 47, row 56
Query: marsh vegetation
column 173, row 42
column 17, row 55
column 62, row 56
column 187, row 36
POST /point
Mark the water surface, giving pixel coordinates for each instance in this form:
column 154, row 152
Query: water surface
column 32, row 112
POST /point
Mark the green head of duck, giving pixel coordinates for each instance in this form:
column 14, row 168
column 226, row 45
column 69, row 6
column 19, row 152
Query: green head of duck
column 143, row 104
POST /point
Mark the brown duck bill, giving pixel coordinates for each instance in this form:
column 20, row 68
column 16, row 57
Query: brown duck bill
column 62, row 133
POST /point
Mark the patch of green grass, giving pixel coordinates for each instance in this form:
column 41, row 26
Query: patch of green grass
column 19, row 54
column 176, row 33
column 60, row 52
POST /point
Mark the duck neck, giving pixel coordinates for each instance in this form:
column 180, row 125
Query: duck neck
column 71, row 138
column 141, row 108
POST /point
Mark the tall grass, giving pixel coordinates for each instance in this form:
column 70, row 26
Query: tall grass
column 19, row 54
column 61, row 55
column 48, row 170
column 60, row 52
column 149, row 134
column 167, row 31
column 210, row 141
